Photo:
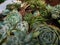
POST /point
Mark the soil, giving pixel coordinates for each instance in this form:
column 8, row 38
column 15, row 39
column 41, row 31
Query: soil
column 53, row 2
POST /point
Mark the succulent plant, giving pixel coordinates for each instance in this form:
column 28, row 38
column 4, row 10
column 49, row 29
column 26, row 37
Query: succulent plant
column 23, row 26
column 28, row 17
column 56, row 12
column 20, row 38
column 11, row 19
column 34, row 20
column 13, row 6
column 32, row 28
column 47, row 35
column 5, row 12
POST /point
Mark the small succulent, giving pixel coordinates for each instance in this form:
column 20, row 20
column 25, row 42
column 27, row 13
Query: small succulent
column 13, row 6
column 5, row 12
column 34, row 20
column 56, row 12
column 23, row 26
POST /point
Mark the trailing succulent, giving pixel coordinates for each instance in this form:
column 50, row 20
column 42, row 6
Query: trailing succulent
column 31, row 29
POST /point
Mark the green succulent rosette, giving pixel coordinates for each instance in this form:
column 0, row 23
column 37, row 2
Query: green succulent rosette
column 12, row 19
column 47, row 35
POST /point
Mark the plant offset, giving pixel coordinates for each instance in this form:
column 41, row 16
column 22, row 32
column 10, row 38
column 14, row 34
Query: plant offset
column 30, row 23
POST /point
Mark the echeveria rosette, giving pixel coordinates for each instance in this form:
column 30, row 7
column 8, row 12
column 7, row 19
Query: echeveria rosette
column 47, row 35
column 56, row 12
column 13, row 18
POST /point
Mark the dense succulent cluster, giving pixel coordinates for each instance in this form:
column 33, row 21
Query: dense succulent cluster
column 30, row 29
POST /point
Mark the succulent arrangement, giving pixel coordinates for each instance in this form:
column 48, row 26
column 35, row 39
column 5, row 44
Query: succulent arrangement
column 30, row 28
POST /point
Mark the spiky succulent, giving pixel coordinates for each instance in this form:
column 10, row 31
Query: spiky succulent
column 34, row 20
